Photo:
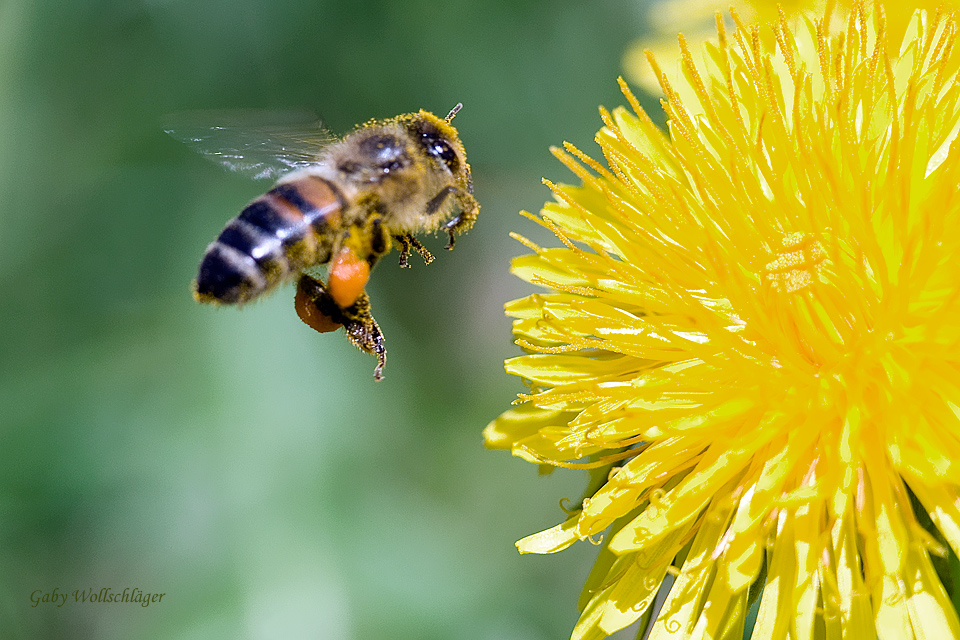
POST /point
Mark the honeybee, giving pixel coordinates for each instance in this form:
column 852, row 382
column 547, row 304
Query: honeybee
column 336, row 202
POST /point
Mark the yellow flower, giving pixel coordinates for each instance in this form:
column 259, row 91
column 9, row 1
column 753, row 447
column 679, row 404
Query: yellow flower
column 695, row 19
column 751, row 335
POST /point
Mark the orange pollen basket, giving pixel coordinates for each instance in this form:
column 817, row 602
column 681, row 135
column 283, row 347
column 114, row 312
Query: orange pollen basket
column 348, row 276
column 311, row 316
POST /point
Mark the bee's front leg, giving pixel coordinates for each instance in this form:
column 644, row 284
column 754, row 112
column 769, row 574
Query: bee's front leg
column 318, row 310
column 469, row 207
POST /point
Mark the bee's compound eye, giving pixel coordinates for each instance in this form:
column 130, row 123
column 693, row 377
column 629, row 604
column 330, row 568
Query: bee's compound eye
column 439, row 149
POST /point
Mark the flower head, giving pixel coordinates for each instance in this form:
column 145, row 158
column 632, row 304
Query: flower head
column 695, row 19
column 751, row 335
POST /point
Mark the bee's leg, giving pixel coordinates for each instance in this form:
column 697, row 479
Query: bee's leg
column 407, row 241
column 422, row 250
column 364, row 333
column 434, row 205
column 318, row 310
column 449, row 227
column 437, row 201
column 404, row 250
column 379, row 239
column 463, row 220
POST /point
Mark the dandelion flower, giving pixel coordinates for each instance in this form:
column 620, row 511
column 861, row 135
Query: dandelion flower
column 750, row 333
column 695, row 19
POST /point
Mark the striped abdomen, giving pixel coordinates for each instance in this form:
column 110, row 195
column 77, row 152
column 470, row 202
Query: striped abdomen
column 279, row 234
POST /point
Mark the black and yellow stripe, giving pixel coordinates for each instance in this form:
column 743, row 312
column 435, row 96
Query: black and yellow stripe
column 286, row 230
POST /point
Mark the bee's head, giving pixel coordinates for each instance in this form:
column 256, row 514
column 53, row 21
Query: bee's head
column 440, row 141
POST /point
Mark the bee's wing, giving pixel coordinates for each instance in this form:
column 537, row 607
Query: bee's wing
column 257, row 144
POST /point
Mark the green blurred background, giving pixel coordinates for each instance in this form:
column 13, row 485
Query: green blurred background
column 238, row 462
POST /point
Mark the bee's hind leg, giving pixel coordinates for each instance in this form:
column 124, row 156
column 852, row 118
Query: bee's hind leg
column 318, row 310
column 364, row 332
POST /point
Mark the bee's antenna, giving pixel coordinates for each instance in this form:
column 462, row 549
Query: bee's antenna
column 453, row 112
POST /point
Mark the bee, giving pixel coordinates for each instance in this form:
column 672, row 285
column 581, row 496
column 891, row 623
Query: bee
column 342, row 203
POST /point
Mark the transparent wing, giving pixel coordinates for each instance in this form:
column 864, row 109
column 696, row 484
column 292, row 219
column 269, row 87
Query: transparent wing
column 257, row 144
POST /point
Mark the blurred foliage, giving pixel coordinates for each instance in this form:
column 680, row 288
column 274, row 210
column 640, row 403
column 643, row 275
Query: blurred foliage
column 238, row 462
